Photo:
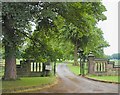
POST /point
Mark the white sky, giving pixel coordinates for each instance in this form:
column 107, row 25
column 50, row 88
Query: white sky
column 110, row 26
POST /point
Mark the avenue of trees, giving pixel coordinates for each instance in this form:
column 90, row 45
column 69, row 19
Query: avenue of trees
column 61, row 28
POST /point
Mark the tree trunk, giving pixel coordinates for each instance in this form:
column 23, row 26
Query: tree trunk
column 75, row 54
column 10, row 50
column 10, row 63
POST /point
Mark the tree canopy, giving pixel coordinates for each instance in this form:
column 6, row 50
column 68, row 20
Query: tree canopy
column 61, row 28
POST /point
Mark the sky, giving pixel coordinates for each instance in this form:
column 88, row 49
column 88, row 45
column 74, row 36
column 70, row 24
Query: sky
column 110, row 26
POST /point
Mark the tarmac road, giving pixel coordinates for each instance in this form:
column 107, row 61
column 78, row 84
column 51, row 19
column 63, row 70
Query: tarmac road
column 70, row 83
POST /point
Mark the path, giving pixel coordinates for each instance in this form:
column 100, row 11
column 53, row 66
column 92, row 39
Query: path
column 70, row 83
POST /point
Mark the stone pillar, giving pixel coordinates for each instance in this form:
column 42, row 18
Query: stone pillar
column 91, row 63
column 28, row 66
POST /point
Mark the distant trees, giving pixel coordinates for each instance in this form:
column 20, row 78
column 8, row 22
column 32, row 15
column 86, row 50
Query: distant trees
column 114, row 56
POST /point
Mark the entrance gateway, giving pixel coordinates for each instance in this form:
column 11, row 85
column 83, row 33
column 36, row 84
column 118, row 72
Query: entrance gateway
column 96, row 66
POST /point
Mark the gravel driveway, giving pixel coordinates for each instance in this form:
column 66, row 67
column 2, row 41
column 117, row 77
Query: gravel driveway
column 70, row 83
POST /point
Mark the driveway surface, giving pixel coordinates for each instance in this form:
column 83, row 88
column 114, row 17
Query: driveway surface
column 70, row 83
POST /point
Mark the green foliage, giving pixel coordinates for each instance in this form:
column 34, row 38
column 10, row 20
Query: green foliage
column 77, row 23
column 95, row 43
column 59, row 25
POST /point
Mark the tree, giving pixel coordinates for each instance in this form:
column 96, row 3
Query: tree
column 79, row 19
column 95, row 42
column 115, row 56
column 15, row 17
column 78, row 23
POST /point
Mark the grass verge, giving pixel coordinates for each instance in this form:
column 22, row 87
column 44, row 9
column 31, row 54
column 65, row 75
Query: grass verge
column 27, row 82
column 76, row 71
column 105, row 78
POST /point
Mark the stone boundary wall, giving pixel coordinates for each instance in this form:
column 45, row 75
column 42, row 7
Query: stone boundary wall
column 32, row 68
column 97, row 66
column 24, row 69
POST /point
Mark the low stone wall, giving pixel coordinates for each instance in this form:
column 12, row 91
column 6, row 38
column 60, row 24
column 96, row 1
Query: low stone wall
column 24, row 68
column 112, row 69
column 32, row 68
column 102, row 66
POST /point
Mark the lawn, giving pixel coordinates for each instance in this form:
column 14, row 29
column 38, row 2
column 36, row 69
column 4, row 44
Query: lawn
column 27, row 82
column 105, row 78
column 76, row 70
